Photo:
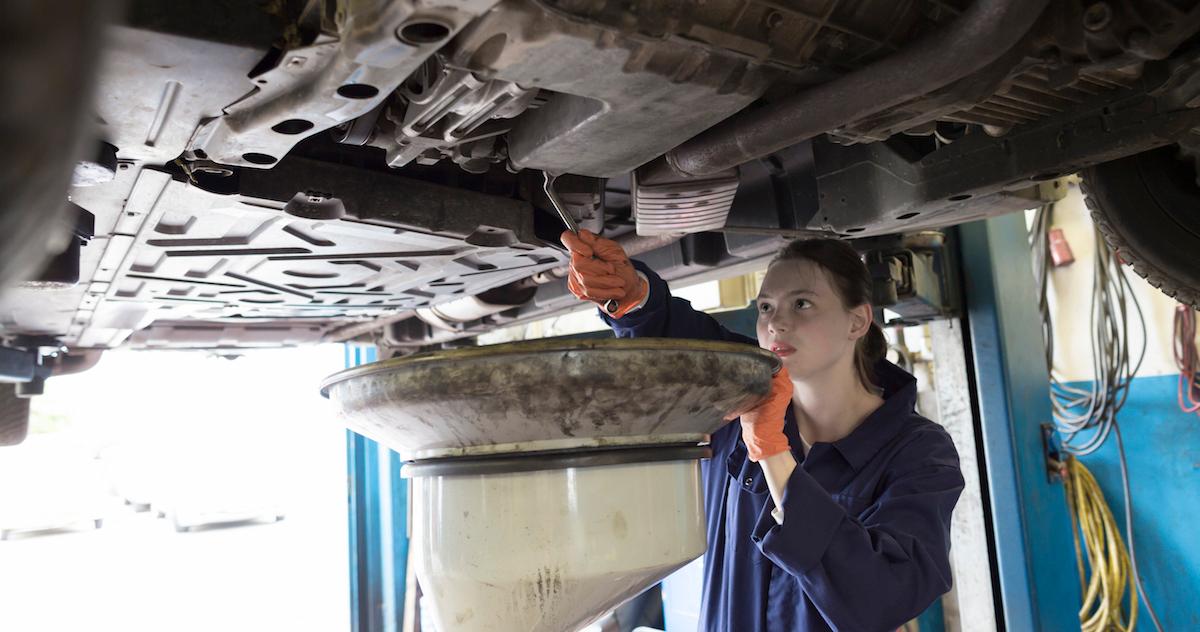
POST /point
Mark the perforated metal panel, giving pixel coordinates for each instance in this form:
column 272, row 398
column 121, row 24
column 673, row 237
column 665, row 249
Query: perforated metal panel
column 184, row 253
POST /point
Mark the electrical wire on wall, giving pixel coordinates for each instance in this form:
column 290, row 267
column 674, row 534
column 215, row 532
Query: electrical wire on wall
column 1187, row 359
column 1084, row 418
column 1109, row 562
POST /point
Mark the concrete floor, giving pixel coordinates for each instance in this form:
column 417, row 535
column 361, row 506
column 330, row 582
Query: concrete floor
column 137, row 574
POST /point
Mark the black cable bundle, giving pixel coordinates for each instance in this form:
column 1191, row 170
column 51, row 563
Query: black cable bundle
column 1085, row 418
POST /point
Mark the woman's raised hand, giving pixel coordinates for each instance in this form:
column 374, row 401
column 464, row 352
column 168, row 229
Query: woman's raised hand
column 600, row 271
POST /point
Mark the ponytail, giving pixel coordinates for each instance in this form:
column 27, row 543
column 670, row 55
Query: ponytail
column 871, row 348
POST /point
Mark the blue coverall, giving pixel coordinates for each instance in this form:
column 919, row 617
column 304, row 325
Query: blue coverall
column 865, row 539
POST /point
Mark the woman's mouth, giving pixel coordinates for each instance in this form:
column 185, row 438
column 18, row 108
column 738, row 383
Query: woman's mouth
column 782, row 350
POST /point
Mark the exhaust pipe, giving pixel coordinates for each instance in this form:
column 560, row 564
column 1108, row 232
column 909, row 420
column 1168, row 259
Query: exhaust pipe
column 987, row 30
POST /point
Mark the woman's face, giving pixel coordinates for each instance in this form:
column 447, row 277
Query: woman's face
column 801, row 319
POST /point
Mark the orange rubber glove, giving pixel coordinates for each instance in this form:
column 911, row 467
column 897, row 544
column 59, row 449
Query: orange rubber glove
column 762, row 426
column 600, row 270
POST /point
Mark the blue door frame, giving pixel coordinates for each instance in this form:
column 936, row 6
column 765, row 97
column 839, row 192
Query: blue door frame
column 1035, row 554
column 378, row 501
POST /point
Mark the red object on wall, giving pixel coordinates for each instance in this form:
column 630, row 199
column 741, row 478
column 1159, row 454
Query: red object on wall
column 1060, row 250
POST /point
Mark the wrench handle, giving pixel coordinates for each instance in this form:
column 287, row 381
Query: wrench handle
column 611, row 305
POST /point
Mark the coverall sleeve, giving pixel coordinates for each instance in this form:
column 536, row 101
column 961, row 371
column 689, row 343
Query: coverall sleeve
column 884, row 567
column 665, row 316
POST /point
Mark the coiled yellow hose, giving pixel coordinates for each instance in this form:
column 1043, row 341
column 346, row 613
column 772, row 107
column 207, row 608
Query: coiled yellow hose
column 1104, row 577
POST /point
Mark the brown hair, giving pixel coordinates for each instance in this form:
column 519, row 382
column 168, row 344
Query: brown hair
column 852, row 282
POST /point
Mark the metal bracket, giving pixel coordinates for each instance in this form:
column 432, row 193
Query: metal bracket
column 26, row 369
column 17, row 365
column 914, row 277
column 1056, row 462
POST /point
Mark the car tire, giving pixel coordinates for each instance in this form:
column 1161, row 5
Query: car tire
column 50, row 67
column 1147, row 206
column 14, row 416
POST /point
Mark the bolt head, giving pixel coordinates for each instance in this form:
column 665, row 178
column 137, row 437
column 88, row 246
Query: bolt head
column 1097, row 17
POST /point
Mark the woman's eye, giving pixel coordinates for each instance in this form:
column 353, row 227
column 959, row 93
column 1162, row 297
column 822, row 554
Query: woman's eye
column 763, row 308
column 802, row 303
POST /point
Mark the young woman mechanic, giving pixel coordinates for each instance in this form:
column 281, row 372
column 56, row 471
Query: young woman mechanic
column 828, row 505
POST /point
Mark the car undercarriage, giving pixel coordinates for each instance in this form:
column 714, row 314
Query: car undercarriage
column 292, row 172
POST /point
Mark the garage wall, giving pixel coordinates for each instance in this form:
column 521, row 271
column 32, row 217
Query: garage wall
column 1162, row 443
column 1071, row 291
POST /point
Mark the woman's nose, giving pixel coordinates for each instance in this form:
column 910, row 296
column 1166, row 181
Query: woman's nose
column 776, row 324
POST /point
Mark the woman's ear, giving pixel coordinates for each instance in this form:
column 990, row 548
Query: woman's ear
column 861, row 318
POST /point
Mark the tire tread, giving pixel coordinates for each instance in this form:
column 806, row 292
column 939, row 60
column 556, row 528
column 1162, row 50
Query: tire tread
column 1160, row 279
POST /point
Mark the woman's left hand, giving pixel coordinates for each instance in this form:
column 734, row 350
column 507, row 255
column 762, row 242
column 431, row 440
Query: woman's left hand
column 762, row 426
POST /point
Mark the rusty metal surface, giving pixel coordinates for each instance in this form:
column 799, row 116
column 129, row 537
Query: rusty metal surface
column 982, row 34
column 550, row 395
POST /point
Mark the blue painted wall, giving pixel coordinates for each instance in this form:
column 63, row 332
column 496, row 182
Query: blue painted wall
column 1162, row 448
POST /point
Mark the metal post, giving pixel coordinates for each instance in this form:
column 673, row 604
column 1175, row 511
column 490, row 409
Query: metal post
column 971, row 606
column 378, row 501
column 1035, row 554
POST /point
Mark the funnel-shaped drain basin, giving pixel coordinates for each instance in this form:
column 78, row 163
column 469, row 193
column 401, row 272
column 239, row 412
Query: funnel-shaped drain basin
column 551, row 395
column 552, row 550
column 553, row 479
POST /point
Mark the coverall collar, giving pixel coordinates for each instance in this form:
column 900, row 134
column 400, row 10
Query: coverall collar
column 882, row 425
